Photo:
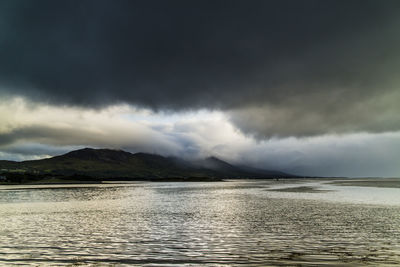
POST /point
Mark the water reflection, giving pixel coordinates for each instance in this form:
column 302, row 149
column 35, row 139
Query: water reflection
column 193, row 223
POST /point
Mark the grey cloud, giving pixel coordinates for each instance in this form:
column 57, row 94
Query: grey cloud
column 350, row 155
column 26, row 151
column 29, row 131
column 353, row 155
column 49, row 140
column 311, row 115
column 302, row 62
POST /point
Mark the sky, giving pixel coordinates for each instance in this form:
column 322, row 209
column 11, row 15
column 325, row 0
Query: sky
column 308, row 87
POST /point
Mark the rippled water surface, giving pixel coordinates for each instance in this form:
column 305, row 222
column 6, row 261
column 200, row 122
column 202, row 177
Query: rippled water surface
column 214, row 224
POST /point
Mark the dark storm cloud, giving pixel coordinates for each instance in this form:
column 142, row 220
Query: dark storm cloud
column 256, row 59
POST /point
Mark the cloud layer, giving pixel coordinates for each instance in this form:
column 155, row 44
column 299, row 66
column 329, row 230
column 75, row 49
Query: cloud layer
column 309, row 87
column 31, row 130
column 296, row 68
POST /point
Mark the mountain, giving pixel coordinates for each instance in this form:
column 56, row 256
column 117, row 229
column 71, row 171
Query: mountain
column 108, row 164
column 216, row 164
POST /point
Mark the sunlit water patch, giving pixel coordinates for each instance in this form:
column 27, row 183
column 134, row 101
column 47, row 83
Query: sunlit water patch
column 215, row 224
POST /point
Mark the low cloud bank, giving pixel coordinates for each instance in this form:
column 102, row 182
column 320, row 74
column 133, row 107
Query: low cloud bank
column 34, row 130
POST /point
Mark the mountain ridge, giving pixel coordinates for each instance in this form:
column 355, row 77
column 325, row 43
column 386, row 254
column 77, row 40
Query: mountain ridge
column 110, row 164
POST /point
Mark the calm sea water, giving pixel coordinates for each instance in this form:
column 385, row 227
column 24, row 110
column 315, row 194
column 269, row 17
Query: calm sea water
column 213, row 224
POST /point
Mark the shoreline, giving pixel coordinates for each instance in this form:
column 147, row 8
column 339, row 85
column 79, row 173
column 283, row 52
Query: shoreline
column 359, row 182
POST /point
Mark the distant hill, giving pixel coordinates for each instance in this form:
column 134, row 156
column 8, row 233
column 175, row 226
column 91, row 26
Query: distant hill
column 108, row 164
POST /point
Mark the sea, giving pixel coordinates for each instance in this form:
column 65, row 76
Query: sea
column 285, row 222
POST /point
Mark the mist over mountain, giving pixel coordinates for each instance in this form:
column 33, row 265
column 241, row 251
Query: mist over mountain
column 105, row 164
